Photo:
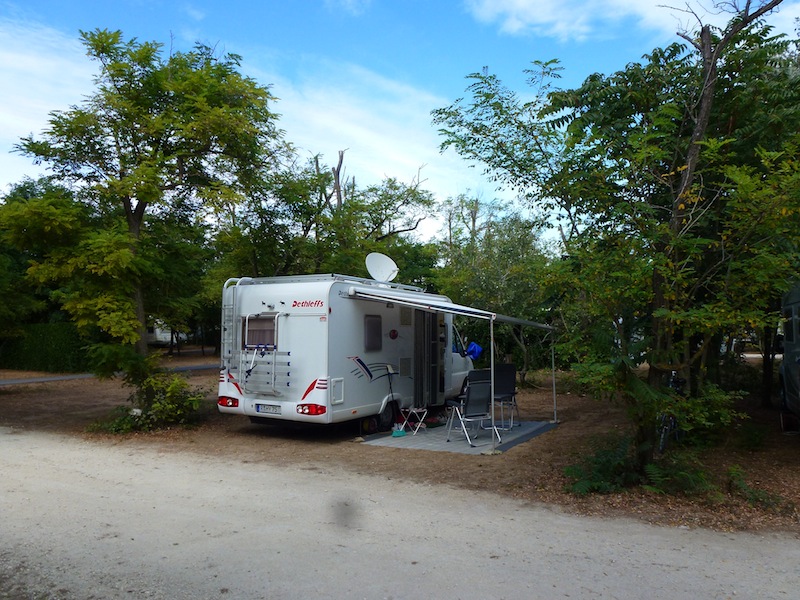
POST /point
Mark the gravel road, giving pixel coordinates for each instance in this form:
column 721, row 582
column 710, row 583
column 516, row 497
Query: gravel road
column 88, row 520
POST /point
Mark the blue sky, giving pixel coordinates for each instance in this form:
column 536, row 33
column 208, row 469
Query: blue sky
column 360, row 75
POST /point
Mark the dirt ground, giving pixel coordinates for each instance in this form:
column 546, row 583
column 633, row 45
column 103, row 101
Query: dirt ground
column 532, row 471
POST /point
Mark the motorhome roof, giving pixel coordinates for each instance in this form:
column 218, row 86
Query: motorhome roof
column 330, row 277
column 382, row 290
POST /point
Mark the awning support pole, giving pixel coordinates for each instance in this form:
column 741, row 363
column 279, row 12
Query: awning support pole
column 491, row 378
column 553, row 376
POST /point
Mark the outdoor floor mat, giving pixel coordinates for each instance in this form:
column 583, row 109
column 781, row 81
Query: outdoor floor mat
column 435, row 438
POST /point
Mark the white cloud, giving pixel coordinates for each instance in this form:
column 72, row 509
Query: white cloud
column 385, row 126
column 563, row 19
column 194, row 13
column 353, row 7
column 786, row 19
column 583, row 19
column 42, row 70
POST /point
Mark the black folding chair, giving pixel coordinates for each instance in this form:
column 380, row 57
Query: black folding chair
column 476, row 408
column 505, row 394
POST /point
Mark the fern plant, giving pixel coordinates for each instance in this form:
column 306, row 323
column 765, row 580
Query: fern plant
column 737, row 485
column 678, row 473
column 610, row 468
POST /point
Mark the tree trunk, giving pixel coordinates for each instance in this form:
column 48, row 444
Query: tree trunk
column 141, row 316
column 711, row 55
column 337, row 180
column 713, row 373
column 135, row 217
column 660, row 346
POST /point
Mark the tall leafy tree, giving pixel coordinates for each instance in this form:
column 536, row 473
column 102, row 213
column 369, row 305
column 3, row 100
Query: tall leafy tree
column 493, row 257
column 158, row 132
column 29, row 221
column 310, row 219
column 175, row 244
column 675, row 183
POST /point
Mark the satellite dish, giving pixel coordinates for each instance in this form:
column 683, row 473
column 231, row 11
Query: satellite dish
column 380, row 267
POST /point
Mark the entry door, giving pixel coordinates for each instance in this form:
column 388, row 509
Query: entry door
column 427, row 362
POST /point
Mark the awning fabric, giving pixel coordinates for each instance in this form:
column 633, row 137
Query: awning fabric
column 434, row 303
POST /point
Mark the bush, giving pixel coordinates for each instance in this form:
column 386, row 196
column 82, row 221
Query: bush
column 751, row 437
column 166, row 399
column 678, row 473
column 737, row 374
column 49, row 347
column 109, row 359
column 610, row 468
column 705, row 418
column 160, row 401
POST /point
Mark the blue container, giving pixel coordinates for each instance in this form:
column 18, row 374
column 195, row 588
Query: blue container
column 474, row 351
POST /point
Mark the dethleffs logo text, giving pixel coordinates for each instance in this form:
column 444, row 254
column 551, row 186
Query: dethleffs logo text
column 307, row 304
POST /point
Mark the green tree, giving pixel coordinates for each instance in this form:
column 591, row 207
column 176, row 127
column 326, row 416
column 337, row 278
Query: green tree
column 493, row 258
column 175, row 244
column 309, row 219
column 677, row 214
column 27, row 226
column 187, row 130
column 373, row 219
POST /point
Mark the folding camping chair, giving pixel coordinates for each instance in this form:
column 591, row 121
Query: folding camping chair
column 452, row 403
column 505, row 394
column 476, row 408
column 417, row 422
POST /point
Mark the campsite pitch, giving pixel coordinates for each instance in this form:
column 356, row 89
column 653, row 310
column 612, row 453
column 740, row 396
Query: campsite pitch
column 531, row 471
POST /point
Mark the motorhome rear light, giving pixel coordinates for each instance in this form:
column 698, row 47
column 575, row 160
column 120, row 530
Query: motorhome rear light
column 228, row 401
column 311, row 409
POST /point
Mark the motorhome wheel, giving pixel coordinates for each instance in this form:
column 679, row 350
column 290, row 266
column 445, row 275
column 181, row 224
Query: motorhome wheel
column 387, row 418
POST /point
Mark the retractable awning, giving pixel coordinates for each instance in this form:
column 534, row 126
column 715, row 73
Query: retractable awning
column 434, row 303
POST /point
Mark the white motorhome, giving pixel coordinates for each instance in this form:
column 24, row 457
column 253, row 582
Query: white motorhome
column 331, row 348
column 789, row 373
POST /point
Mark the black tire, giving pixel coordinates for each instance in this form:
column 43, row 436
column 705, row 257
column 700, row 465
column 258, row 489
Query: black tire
column 663, row 436
column 666, row 428
column 387, row 418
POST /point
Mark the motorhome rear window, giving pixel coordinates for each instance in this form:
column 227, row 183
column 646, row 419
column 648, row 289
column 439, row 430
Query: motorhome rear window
column 258, row 331
column 373, row 339
column 788, row 325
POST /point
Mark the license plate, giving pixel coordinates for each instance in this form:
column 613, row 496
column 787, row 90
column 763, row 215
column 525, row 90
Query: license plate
column 270, row 409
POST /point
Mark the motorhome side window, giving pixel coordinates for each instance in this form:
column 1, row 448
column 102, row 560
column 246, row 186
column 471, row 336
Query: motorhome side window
column 373, row 339
column 788, row 325
column 258, row 330
column 458, row 343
